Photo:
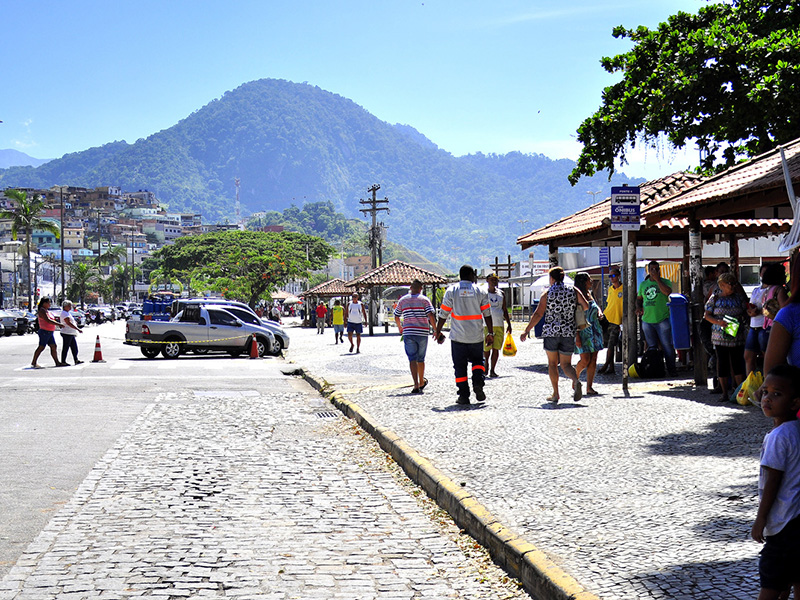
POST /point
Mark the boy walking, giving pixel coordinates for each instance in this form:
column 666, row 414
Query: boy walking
column 777, row 523
column 337, row 320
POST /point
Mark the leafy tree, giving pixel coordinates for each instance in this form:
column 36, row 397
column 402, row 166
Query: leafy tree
column 727, row 77
column 82, row 275
column 244, row 264
column 25, row 216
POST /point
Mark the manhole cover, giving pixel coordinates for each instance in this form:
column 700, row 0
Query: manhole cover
column 327, row 414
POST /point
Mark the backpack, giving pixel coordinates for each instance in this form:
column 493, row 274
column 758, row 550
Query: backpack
column 651, row 365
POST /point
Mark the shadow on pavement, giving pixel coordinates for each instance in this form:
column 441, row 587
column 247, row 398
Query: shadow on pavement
column 459, row 407
column 712, row 579
column 732, row 436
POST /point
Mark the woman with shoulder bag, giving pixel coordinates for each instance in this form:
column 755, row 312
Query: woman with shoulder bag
column 589, row 340
column 765, row 302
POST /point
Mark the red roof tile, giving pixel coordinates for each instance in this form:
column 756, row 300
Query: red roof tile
column 758, row 174
column 396, row 272
column 334, row 287
column 592, row 218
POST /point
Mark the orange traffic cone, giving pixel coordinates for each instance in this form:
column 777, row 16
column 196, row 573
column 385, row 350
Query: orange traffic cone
column 253, row 347
column 98, row 353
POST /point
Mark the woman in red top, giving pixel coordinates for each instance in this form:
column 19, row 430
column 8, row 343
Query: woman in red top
column 47, row 325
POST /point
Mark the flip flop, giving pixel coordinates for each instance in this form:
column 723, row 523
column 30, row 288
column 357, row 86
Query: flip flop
column 424, row 383
column 552, row 399
column 37, row 367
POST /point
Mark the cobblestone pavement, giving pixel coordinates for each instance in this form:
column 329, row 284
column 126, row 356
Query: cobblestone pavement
column 249, row 495
column 650, row 496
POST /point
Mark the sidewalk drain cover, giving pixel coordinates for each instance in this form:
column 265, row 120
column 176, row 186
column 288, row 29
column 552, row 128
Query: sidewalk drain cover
column 328, row 414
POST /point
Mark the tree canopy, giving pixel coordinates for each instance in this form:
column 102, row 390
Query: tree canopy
column 727, row 77
column 244, row 265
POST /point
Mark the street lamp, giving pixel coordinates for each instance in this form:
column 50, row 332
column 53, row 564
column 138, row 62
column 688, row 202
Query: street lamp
column 594, row 195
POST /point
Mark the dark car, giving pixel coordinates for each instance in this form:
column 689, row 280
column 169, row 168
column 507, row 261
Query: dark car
column 13, row 323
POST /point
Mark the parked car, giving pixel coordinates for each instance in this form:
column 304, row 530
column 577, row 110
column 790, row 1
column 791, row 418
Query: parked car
column 2, row 330
column 199, row 329
column 240, row 309
column 13, row 323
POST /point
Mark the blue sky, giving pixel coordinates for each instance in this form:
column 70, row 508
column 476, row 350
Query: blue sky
column 489, row 75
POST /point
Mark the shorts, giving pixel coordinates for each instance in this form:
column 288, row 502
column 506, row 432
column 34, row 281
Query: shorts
column 757, row 339
column 338, row 328
column 355, row 327
column 416, row 347
column 779, row 563
column 497, row 342
column 562, row 345
column 46, row 338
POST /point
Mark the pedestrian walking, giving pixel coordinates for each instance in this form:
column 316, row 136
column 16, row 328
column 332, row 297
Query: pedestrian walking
column 337, row 319
column 651, row 306
column 727, row 313
column 777, row 523
column 356, row 317
column 557, row 307
column 613, row 314
column 497, row 304
column 69, row 333
column 465, row 303
column 47, row 327
column 589, row 340
column 275, row 313
column 321, row 311
column 414, row 317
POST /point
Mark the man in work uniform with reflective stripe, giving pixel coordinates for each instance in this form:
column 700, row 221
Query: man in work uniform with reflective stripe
column 467, row 306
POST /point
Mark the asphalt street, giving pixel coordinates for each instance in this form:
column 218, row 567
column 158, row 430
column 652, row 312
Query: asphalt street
column 647, row 496
column 211, row 477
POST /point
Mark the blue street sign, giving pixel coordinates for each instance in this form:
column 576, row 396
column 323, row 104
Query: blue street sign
column 604, row 257
column 625, row 210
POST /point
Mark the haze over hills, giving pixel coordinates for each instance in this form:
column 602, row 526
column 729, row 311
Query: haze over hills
column 15, row 158
column 293, row 143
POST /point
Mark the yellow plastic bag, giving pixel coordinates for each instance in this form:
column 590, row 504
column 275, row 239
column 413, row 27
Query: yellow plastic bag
column 749, row 387
column 509, row 347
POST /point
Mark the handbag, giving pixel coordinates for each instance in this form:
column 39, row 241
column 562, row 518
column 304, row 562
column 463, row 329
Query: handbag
column 771, row 306
column 580, row 318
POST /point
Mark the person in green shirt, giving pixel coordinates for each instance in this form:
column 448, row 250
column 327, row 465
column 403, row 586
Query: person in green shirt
column 651, row 306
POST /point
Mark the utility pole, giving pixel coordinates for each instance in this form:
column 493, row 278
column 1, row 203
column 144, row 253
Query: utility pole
column 374, row 209
column 63, row 278
column 374, row 237
column 238, row 207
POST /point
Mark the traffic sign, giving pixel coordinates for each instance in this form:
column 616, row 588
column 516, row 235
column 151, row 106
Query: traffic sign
column 625, row 209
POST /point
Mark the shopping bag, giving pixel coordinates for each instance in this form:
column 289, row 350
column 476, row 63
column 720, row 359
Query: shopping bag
column 509, row 347
column 745, row 396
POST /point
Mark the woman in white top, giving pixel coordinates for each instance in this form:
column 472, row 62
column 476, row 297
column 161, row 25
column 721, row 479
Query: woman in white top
column 773, row 278
column 69, row 333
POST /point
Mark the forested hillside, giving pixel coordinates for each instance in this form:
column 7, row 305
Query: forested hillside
column 293, row 143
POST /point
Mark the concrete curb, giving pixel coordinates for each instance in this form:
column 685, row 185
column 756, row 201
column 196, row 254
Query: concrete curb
column 540, row 576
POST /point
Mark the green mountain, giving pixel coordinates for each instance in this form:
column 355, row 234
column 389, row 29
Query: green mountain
column 292, row 143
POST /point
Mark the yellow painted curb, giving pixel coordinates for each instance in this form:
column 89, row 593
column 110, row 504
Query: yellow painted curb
column 540, row 576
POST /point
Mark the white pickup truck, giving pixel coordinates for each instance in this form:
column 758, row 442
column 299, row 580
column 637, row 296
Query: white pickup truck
column 199, row 329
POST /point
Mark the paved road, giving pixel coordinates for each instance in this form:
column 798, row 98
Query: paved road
column 207, row 477
column 644, row 497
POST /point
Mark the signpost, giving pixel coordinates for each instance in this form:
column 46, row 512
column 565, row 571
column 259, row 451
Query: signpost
column 625, row 217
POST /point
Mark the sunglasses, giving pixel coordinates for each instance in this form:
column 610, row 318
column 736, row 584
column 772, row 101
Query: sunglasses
column 613, row 275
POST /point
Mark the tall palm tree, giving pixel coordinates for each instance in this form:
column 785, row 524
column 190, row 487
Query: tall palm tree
column 81, row 275
column 112, row 256
column 25, row 216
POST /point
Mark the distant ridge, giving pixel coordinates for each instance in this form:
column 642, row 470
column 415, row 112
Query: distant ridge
column 15, row 158
column 292, row 143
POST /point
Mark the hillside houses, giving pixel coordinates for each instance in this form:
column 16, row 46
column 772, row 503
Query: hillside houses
column 94, row 220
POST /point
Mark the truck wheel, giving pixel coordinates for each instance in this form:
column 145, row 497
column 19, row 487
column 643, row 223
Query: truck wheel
column 150, row 351
column 172, row 348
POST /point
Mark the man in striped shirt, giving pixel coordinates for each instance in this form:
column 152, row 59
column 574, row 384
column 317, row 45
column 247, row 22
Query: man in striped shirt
column 416, row 312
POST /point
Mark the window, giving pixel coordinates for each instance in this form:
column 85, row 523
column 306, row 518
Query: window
column 221, row 317
column 245, row 316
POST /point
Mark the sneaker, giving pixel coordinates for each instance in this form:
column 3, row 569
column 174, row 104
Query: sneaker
column 78, row 362
column 462, row 400
column 578, row 392
column 480, row 395
column 416, row 391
